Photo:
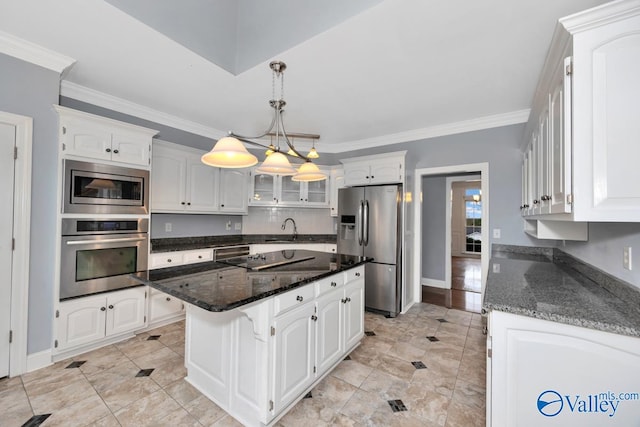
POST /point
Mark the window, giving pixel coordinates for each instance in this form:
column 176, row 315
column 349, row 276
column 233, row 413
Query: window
column 473, row 219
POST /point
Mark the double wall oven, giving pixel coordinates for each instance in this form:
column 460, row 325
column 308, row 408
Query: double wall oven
column 100, row 251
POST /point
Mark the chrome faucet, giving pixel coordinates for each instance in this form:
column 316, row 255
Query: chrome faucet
column 295, row 229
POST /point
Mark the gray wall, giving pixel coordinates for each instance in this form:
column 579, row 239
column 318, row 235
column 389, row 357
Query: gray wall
column 186, row 225
column 434, row 225
column 605, row 246
column 30, row 90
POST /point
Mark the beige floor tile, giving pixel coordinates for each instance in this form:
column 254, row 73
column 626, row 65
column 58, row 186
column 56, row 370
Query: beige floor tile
column 14, row 405
column 469, row 394
column 108, row 421
column 127, row 392
column 62, row 397
column 362, row 405
column 10, row 383
column 459, row 317
column 460, row 415
column 166, row 372
column 57, row 376
column 149, row 360
column 172, row 336
column 204, row 410
column 399, row 368
column 179, row 417
column 334, row 391
column 406, row 351
column 101, row 360
column 182, row 391
column 138, row 347
column 437, row 381
column 111, row 378
column 352, row 372
column 148, row 410
column 227, row 421
column 427, row 404
column 86, row 411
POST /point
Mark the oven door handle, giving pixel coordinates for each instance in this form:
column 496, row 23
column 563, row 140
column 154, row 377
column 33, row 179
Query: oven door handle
column 89, row 242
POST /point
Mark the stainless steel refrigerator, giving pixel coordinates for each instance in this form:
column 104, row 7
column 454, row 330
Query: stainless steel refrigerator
column 370, row 224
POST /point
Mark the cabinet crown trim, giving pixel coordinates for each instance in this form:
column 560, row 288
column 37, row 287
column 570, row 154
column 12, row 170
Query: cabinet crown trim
column 382, row 156
column 70, row 112
column 601, row 15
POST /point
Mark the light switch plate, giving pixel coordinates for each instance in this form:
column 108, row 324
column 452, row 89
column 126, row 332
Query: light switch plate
column 496, row 233
column 626, row 258
column 238, row 226
column 167, row 227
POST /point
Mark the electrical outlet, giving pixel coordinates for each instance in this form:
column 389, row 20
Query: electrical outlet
column 626, row 258
column 238, row 226
column 228, row 225
column 496, row 233
column 167, row 227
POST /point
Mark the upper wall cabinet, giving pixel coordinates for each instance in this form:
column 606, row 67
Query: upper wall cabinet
column 277, row 190
column 385, row 168
column 93, row 137
column 181, row 183
column 583, row 132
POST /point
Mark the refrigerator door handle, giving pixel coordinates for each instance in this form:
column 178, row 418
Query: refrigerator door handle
column 365, row 234
column 360, row 219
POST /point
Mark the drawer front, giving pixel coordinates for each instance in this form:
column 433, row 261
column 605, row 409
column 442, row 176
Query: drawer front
column 165, row 259
column 293, row 298
column 198, row 256
column 354, row 274
column 328, row 284
column 163, row 306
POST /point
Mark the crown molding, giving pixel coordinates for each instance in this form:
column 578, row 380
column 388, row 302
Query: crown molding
column 34, row 54
column 101, row 99
column 600, row 15
column 487, row 122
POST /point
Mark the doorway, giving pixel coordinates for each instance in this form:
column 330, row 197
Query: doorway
column 15, row 216
column 468, row 244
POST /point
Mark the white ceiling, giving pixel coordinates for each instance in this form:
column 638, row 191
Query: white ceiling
column 398, row 71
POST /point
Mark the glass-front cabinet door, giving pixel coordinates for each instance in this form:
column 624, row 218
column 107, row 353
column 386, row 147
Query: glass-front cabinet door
column 291, row 192
column 263, row 189
column 317, row 193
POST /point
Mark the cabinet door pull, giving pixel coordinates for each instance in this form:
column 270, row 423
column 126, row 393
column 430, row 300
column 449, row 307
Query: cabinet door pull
column 357, row 274
column 168, row 299
column 334, row 284
column 103, row 309
column 115, row 151
column 108, row 150
column 169, row 260
column 299, row 298
column 110, row 306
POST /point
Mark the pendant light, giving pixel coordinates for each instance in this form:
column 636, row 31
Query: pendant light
column 230, row 152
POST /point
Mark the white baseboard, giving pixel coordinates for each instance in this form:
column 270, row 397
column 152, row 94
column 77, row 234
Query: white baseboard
column 39, row 360
column 434, row 283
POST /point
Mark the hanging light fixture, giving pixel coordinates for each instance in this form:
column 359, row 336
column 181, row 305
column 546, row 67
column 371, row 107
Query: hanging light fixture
column 229, row 152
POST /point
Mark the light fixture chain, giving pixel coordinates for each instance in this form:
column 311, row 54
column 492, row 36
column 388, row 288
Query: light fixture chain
column 281, row 86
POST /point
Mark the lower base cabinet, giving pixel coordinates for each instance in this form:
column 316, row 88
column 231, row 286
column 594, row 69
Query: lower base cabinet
column 258, row 360
column 84, row 321
column 542, row 373
column 164, row 308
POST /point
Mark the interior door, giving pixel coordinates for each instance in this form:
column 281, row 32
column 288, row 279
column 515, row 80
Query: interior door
column 7, row 144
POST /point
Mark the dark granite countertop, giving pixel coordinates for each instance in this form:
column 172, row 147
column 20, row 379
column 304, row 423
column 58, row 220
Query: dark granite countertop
column 551, row 285
column 188, row 243
column 222, row 286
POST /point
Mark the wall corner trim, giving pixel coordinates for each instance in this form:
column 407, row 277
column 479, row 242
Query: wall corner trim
column 39, row 360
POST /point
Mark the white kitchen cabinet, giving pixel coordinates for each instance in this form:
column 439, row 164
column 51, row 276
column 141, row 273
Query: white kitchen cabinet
column 232, row 188
column 176, row 258
column 258, row 360
column 84, row 321
column 180, row 182
column 585, row 116
column 164, row 308
column 337, row 182
column 277, row 190
column 295, row 346
column 534, row 361
column 88, row 136
column 377, row 169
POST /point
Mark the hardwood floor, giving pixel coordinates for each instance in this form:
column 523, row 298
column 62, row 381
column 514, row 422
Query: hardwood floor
column 466, row 285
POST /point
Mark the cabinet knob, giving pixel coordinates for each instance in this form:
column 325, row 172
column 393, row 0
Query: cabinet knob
column 314, row 317
column 108, row 150
column 168, row 299
column 103, row 309
column 372, row 176
column 334, row 284
column 367, row 176
column 222, row 206
column 200, row 256
column 182, row 203
column 115, row 151
column 545, row 198
column 299, row 298
column 525, row 206
column 348, row 299
column 188, row 203
column 110, row 306
column 535, row 202
column 357, row 274
column 343, row 300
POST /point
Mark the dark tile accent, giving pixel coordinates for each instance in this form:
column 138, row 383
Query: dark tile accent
column 153, row 337
column 369, row 333
column 397, row 405
column 419, row 365
column 76, row 364
column 442, row 320
column 347, row 358
column 307, row 396
column 36, row 420
column 432, row 338
column 144, row 372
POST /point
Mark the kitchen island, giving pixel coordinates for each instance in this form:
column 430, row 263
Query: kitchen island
column 263, row 330
column 563, row 342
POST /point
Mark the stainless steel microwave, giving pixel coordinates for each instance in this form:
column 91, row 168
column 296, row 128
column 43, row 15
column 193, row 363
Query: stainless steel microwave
column 98, row 188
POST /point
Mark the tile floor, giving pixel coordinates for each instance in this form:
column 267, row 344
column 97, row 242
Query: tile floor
column 423, row 368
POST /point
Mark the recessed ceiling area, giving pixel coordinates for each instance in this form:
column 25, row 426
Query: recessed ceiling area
column 238, row 35
column 359, row 73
